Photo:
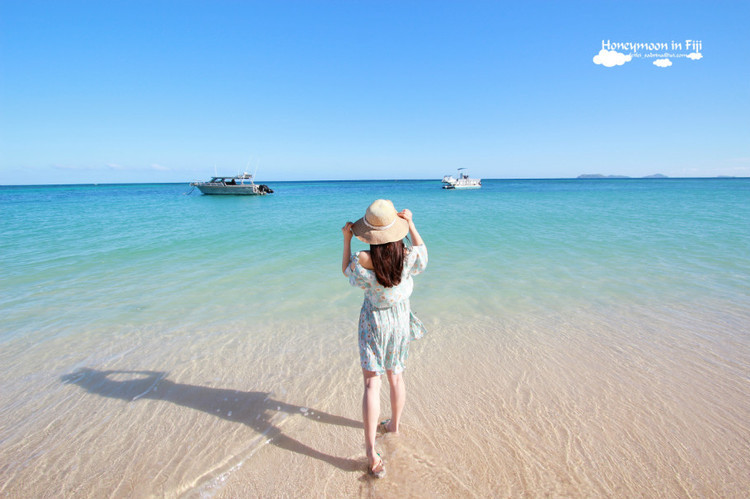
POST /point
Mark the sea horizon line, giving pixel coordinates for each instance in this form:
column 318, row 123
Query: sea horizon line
column 592, row 179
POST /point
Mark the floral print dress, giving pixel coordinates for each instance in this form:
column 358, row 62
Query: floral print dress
column 386, row 323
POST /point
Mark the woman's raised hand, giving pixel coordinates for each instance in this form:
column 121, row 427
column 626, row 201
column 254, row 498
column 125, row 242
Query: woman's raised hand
column 406, row 215
column 347, row 230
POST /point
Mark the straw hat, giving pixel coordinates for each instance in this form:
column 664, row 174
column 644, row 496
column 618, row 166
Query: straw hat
column 381, row 224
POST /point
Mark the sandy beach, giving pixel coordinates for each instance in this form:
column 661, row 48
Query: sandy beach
column 556, row 406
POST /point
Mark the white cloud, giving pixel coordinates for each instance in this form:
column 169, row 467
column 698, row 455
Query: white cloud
column 662, row 63
column 611, row 58
column 160, row 168
column 115, row 166
column 695, row 56
column 72, row 167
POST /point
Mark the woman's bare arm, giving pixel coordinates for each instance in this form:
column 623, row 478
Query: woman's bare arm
column 416, row 239
column 346, row 230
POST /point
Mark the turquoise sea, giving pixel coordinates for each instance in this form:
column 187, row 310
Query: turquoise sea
column 532, row 283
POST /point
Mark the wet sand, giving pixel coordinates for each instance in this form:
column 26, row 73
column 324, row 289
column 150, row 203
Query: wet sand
column 587, row 403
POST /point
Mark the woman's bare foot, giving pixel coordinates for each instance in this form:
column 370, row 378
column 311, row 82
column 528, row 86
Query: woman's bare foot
column 377, row 466
column 387, row 426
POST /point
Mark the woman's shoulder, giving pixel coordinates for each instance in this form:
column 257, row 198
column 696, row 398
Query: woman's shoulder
column 364, row 259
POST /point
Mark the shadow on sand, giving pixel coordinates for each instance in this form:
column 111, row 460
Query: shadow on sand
column 255, row 409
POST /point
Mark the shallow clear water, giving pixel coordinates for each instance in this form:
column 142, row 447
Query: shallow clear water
column 94, row 255
column 635, row 292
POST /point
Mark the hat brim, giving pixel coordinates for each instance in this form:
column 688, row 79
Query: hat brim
column 395, row 232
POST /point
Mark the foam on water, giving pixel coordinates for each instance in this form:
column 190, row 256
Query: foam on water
column 585, row 338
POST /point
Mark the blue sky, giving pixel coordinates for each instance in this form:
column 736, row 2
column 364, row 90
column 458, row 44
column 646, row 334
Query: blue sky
column 167, row 91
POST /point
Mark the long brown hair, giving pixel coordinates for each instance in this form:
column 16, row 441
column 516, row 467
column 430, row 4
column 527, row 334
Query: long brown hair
column 388, row 262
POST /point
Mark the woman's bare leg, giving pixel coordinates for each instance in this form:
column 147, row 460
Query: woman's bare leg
column 370, row 414
column 398, row 399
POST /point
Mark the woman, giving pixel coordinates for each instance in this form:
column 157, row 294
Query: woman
column 386, row 324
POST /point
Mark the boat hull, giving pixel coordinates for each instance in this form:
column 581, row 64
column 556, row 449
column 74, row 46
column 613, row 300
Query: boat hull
column 230, row 190
column 462, row 187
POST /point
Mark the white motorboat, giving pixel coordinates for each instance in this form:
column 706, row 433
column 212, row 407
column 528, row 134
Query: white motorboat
column 462, row 182
column 239, row 185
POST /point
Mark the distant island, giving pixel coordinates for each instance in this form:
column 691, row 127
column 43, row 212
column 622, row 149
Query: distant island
column 599, row 175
